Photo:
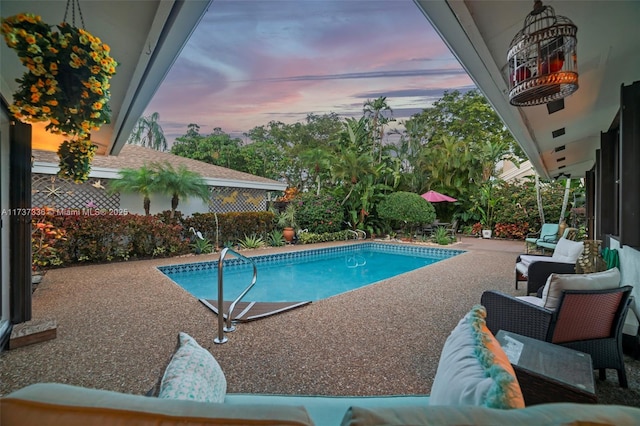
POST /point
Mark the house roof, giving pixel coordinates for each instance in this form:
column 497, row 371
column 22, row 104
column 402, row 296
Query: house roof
column 133, row 157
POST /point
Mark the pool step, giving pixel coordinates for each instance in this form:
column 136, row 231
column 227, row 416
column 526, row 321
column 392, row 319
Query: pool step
column 251, row 311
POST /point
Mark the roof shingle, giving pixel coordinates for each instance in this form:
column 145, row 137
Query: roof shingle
column 133, row 157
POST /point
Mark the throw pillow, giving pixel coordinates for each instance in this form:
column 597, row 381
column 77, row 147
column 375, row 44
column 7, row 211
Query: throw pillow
column 567, row 251
column 194, row 374
column 473, row 368
column 556, row 283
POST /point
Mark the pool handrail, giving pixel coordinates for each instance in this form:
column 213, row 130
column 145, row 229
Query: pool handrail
column 230, row 327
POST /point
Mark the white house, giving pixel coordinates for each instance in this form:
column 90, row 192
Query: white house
column 231, row 190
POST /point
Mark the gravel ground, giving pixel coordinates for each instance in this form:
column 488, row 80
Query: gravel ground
column 118, row 326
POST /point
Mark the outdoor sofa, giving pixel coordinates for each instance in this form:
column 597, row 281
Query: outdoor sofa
column 474, row 384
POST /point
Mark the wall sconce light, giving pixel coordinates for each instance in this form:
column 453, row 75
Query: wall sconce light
column 543, row 65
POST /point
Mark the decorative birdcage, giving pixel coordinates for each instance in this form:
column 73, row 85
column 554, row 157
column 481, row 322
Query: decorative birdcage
column 542, row 60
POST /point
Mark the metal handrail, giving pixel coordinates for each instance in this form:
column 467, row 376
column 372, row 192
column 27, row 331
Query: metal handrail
column 230, row 327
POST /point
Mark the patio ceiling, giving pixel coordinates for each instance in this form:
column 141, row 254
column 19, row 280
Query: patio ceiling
column 145, row 37
column 479, row 34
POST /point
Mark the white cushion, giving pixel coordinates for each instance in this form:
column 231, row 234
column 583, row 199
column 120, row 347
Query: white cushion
column 473, row 368
column 522, row 268
column 193, row 373
column 556, row 283
column 532, row 299
column 567, row 251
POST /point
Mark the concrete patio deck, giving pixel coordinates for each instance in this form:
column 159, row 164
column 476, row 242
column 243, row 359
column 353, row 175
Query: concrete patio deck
column 118, row 325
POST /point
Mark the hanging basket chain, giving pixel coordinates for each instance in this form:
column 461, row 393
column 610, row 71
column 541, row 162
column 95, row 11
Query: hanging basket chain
column 73, row 12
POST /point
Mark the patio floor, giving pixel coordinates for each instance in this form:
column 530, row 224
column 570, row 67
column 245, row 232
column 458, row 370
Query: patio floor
column 118, row 325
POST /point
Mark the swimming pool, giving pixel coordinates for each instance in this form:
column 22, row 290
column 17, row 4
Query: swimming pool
column 306, row 274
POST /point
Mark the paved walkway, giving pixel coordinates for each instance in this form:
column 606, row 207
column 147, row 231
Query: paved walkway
column 118, row 325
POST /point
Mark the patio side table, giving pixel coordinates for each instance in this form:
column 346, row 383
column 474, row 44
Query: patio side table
column 548, row 372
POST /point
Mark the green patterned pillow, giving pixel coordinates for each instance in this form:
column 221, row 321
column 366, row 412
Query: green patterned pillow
column 193, row 373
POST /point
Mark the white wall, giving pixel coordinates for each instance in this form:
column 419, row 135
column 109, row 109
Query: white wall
column 630, row 275
column 134, row 203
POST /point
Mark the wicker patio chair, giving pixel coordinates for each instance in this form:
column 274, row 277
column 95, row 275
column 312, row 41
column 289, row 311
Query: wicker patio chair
column 589, row 321
column 538, row 272
column 535, row 269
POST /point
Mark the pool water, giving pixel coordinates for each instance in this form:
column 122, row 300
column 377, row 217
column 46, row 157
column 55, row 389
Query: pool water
column 305, row 275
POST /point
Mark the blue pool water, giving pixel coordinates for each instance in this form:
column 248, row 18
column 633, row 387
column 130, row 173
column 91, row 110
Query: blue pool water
column 305, row 275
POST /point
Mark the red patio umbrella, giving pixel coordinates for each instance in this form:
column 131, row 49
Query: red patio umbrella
column 436, row 197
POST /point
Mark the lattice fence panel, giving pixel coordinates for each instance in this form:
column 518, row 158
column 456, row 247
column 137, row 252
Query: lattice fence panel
column 53, row 191
column 227, row 200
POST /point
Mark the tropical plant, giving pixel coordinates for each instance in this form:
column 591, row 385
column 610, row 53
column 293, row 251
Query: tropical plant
column 441, row 236
column 180, row 183
column 275, row 238
column 142, row 181
column 252, row 241
column 148, row 132
column 406, row 209
column 287, row 218
column 319, row 213
column 373, row 109
column 202, row 245
column 487, row 206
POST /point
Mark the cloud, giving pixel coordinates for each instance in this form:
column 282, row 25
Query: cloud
column 250, row 62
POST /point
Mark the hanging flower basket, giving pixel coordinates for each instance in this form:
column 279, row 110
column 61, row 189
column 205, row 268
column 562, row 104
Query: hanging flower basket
column 75, row 159
column 68, row 79
column 66, row 85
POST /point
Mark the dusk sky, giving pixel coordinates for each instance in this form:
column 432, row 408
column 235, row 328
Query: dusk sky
column 251, row 62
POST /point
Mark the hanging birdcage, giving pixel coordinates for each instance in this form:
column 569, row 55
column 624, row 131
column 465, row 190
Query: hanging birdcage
column 543, row 65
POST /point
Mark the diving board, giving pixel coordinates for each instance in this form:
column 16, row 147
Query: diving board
column 251, row 311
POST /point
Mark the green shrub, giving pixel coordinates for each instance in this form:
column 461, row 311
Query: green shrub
column 312, row 238
column 105, row 238
column 319, row 213
column 406, row 209
column 231, row 226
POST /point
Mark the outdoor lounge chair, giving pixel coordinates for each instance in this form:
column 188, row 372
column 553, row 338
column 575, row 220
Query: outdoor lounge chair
column 535, row 269
column 548, row 233
column 589, row 321
column 548, row 244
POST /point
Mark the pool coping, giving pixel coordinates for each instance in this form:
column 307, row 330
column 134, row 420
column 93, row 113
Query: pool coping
column 441, row 253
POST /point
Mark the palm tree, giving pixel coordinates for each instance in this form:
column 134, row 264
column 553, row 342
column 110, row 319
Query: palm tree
column 180, row 183
column 142, row 180
column 373, row 109
column 317, row 160
column 148, row 132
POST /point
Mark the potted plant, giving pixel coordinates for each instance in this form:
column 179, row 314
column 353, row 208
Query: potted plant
column 287, row 221
column 487, row 207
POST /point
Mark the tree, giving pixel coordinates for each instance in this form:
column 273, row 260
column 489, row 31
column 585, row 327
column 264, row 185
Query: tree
column 317, row 161
column 148, row 132
column 142, row 180
column 180, row 183
column 217, row 148
column 374, row 110
column 406, row 208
